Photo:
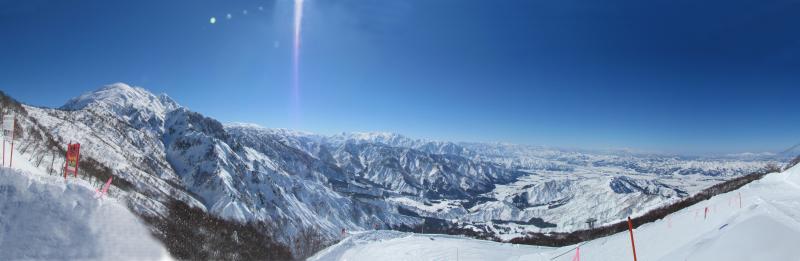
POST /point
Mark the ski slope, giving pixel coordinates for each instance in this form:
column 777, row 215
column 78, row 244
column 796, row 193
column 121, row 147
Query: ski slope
column 45, row 218
column 766, row 226
column 393, row 245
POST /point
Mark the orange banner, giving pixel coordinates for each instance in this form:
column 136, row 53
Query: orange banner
column 73, row 159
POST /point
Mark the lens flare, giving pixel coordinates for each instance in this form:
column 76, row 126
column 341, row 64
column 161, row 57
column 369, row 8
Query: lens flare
column 298, row 22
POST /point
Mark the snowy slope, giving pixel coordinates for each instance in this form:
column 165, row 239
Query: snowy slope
column 391, row 245
column 765, row 227
column 42, row 217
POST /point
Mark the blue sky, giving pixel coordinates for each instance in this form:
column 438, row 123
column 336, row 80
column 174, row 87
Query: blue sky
column 673, row 76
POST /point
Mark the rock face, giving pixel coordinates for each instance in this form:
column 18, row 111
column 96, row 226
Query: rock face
column 360, row 181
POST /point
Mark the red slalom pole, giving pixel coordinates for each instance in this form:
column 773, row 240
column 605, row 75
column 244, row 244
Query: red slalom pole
column 77, row 158
column 633, row 245
column 705, row 214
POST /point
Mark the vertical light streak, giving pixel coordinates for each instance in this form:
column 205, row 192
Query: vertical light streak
column 298, row 23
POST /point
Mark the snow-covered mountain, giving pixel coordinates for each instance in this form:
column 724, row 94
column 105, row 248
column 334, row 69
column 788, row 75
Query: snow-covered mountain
column 538, row 183
column 169, row 152
column 133, row 105
column 398, row 170
column 162, row 151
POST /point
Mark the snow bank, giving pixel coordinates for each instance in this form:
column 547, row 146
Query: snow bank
column 766, row 226
column 45, row 218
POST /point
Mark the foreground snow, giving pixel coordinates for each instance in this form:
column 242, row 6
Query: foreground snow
column 393, row 245
column 765, row 227
column 44, row 218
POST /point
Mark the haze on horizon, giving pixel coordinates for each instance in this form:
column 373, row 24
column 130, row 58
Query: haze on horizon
column 669, row 76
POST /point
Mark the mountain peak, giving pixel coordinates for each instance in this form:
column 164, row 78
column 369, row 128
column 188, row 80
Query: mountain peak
column 120, row 95
column 135, row 105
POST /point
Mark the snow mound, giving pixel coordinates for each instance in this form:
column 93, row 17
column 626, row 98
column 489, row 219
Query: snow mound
column 43, row 218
